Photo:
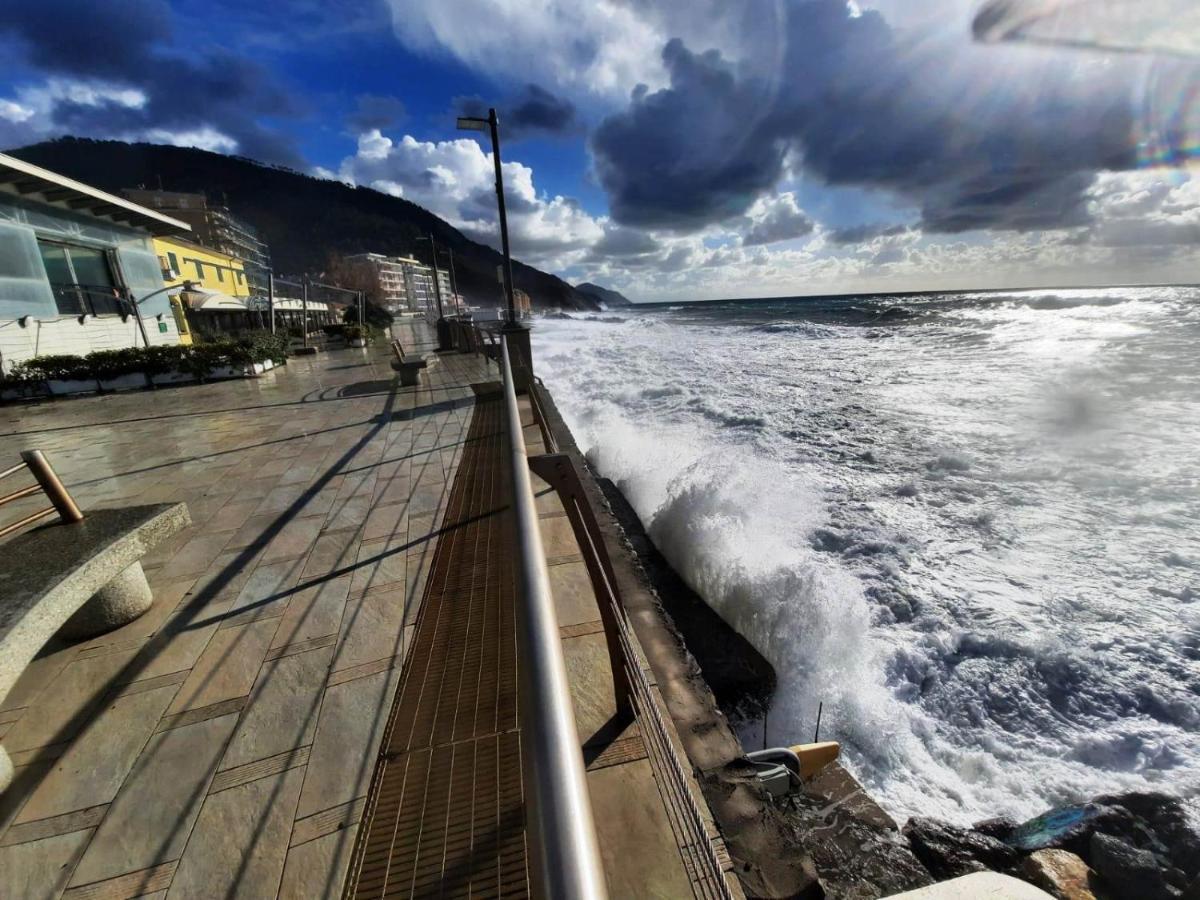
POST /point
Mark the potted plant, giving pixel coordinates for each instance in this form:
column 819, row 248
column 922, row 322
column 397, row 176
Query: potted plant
column 212, row 360
column 262, row 351
column 62, row 373
column 168, row 364
column 356, row 335
column 119, row 370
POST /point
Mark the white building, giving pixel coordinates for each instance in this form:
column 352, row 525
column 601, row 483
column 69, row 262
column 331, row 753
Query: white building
column 391, row 278
column 407, row 284
column 73, row 262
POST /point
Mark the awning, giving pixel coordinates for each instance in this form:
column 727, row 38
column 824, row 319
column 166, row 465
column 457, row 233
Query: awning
column 25, row 179
column 211, row 301
column 1158, row 26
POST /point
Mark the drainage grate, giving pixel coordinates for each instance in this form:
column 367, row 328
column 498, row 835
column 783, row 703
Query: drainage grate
column 445, row 816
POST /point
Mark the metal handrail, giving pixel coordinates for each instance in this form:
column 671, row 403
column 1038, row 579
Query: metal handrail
column 561, row 836
column 630, row 685
column 48, row 482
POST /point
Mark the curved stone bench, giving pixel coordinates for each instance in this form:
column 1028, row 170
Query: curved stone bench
column 78, row 580
column 408, row 368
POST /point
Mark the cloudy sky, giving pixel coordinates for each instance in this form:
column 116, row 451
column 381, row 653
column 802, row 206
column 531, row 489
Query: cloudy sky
column 673, row 149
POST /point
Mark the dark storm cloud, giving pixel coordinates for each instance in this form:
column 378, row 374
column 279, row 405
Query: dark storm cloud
column 375, row 111
column 688, row 155
column 782, row 222
column 627, row 245
column 533, row 111
column 188, row 85
column 946, row 127
column 82, row 37
column 857, row 234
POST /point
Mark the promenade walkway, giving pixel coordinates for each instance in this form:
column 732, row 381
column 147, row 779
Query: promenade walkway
column 225, row 743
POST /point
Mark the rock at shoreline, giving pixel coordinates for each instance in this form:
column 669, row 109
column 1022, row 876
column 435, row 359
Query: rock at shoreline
column 948, row 851
column 1000, row 828
column 1128, row 871
column 1062, row 874
column 1151, row 823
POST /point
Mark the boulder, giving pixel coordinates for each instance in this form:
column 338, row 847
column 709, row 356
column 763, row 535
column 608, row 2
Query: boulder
column 1000, row 828
column 1158, row 823
column 1128, row 871
column 1060, row 873
column 948, row 851
column 1147, row 821
column 1064, row 827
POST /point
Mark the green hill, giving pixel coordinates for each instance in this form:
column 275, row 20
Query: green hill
column 606, row 295
column 303, row 219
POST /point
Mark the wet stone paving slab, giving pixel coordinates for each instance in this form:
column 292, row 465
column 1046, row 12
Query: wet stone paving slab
column 223, row 743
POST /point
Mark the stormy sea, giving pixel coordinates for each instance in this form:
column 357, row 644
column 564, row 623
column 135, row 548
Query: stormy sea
column 966, row 524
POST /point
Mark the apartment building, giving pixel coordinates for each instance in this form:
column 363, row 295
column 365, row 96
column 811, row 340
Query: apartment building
column 390, row 274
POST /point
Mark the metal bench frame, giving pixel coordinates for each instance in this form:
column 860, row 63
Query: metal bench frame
column 409, row 369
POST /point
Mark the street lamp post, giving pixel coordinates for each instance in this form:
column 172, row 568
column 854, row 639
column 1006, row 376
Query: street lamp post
column 492, row 125
column 458, row 304
column 137, row 304
column 443, row 328
column 304, row 314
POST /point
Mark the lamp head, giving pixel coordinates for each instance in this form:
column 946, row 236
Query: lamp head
column 472, row 123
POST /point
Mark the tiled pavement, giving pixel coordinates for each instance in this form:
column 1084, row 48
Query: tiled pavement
column 222, row 743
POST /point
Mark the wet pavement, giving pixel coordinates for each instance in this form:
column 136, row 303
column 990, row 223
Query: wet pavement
column 222, row 743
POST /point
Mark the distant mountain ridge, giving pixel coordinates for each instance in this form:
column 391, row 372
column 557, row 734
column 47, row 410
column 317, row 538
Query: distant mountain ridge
column 303, row 219
column 606, row 295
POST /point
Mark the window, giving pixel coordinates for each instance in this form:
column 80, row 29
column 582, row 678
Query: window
column 220, row 273
column 199, row 268
column 174, row 260
column 81, row 278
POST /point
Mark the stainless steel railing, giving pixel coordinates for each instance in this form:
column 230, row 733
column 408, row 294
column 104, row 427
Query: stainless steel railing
column 564, row 859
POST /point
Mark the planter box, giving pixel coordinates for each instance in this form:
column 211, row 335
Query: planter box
column 357, row 342
column 21, row 392
column 62, row 386
column 247, row 371
column 173, row 377
column 132, row 382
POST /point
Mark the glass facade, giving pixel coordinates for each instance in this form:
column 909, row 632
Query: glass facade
column 81, row 279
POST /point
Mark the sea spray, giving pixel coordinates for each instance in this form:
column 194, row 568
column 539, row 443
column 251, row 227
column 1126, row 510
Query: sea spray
column 961, row 528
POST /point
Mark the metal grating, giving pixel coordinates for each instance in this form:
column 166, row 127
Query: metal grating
column 445, row 814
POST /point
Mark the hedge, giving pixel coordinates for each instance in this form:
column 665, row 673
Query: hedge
column 198, row 359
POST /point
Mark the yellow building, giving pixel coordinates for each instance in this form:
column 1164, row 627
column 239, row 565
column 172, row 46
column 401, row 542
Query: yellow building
column 221, row 277
column 214, row 271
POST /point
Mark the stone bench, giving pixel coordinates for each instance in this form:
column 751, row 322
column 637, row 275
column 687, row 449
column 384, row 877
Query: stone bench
column 409, row 368
column 77, row 580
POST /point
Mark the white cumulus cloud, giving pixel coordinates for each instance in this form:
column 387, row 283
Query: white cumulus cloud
column 454, row 179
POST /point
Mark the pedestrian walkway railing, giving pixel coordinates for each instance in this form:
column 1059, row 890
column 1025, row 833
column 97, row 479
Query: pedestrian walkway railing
column 633, row 693
column 48, row 483
column 560, row 833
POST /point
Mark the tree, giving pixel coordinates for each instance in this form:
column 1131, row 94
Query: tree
column 355, row 276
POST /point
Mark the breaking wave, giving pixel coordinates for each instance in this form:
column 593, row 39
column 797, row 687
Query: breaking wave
column 991, row 593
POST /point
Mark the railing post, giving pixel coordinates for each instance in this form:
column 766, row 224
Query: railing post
column 55, row 490
column 561, row 835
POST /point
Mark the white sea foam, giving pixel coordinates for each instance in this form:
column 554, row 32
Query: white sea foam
column 968, row 534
